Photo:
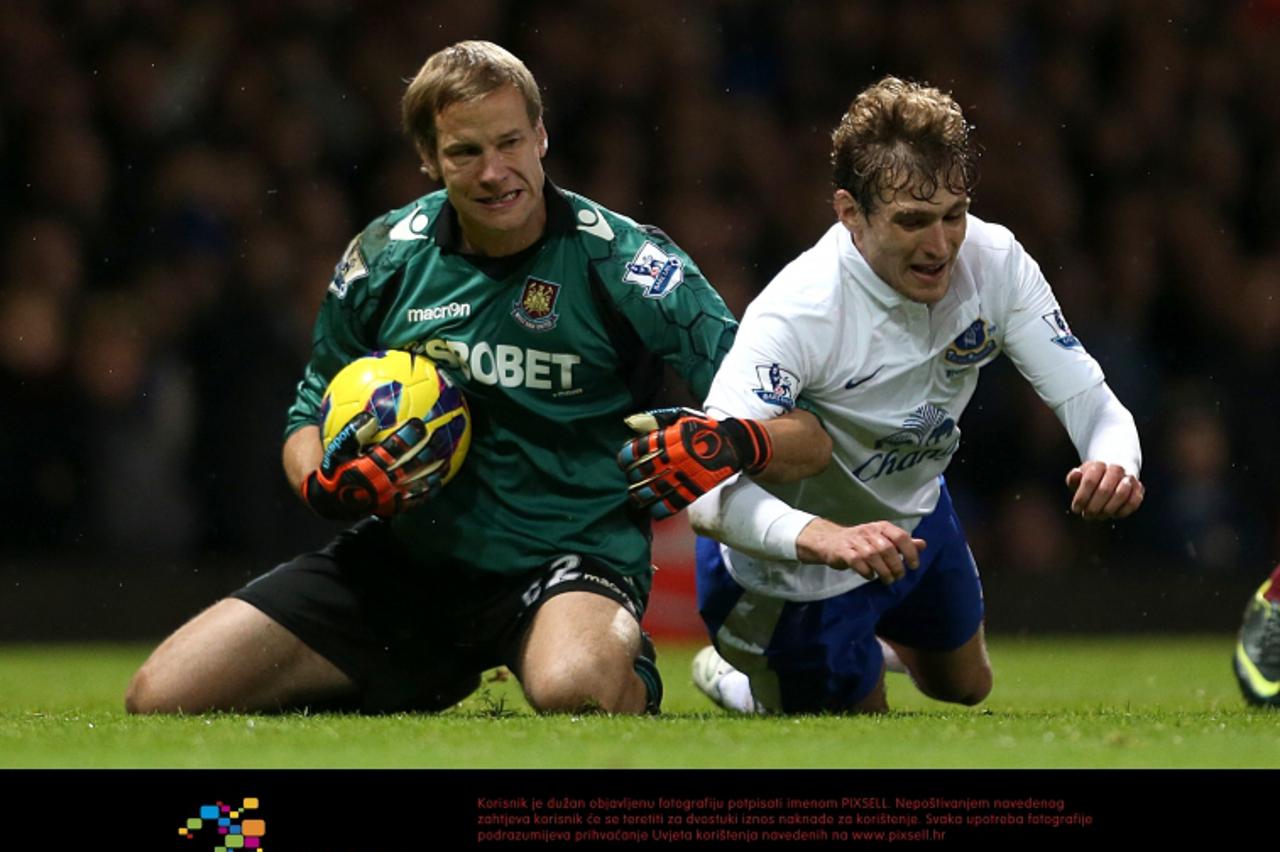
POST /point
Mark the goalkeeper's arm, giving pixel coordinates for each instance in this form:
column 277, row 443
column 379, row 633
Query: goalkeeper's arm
column 801, row 447
column 302, row 454
column 682, row 454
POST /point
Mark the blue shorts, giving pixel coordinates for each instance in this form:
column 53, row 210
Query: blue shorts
column 815, row 656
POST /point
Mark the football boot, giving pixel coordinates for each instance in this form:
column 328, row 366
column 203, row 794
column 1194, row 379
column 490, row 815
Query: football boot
column 1257, row 659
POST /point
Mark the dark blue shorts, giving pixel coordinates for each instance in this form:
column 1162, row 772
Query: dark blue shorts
column 815, row 656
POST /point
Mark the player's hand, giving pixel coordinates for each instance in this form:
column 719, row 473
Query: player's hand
column 877, row 551
column 1104, row 491
column 391, row 477
column 682, row 454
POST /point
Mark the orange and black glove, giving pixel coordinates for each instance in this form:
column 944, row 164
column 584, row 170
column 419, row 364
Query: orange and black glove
column 389, row 477
column 683, row 454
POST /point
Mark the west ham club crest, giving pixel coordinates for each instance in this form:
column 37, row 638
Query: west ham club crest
column 536, row 307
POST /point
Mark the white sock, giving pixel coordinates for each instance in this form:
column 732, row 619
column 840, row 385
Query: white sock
column 735, row 692
column 891, row 661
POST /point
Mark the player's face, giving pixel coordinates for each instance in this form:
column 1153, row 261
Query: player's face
column 911, row 244
column 489, row 157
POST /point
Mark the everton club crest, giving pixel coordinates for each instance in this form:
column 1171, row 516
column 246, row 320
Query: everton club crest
column 974, row 344
column 536, row 307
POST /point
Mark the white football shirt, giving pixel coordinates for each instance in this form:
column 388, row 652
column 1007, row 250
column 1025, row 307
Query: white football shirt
column 889, row 379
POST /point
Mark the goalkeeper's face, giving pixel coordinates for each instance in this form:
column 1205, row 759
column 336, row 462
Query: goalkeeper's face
column 489, row 157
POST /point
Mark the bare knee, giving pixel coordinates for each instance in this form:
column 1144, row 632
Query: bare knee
column 579, row 655
column 970, row 689
column 982, row 687
column 155, row 690
column 141, row 696
column 876, row 701
column 232, row 657
column 960, row 676
column 579, row 684
column 872, row 704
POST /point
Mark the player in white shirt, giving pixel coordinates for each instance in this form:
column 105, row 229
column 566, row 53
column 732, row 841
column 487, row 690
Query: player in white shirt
column 880, row 330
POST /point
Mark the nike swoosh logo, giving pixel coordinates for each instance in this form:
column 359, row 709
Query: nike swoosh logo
column 853, row 383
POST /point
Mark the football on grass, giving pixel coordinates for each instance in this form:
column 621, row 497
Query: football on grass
column 394, row 386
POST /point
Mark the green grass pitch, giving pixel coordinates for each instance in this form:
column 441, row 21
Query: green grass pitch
column 1098, row 702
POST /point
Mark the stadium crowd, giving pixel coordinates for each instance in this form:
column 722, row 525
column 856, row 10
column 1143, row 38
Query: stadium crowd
column 180, row 178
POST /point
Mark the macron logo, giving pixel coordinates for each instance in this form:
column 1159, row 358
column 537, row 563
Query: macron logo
column 411, row 227
column 449, row 311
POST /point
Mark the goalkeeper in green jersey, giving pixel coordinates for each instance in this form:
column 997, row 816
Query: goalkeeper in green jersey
column 556, row 317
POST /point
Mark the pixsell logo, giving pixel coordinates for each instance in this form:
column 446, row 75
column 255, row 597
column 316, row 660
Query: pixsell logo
column 222, row 826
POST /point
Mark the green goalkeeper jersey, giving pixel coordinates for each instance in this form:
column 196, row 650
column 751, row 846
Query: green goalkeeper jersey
column 552, row 346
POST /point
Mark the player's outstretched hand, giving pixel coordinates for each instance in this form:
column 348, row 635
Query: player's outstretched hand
column 1104, row 491
column 682, row 454
column 391, row 477
column 878, row 550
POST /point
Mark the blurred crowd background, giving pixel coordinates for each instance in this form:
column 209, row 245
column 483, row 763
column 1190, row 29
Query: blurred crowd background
column 179, row 179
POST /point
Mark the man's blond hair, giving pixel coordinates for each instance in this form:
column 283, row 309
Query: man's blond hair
column 462, row 72
column 900, row 136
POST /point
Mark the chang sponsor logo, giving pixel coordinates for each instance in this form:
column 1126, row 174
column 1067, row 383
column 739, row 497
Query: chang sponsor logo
column 894, row 461
column 927, row 425
column 928, row 434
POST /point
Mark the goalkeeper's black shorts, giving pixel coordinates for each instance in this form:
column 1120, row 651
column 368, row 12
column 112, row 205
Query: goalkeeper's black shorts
column 414, row 637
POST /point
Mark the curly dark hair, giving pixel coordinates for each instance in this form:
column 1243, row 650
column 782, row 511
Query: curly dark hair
column 902, row 136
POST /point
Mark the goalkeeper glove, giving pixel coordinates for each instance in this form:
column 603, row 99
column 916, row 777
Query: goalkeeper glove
column 389, row 478
column 684, row 454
